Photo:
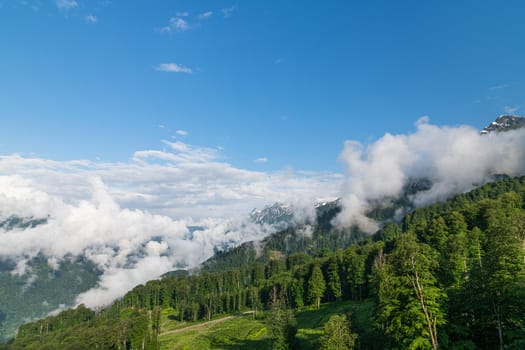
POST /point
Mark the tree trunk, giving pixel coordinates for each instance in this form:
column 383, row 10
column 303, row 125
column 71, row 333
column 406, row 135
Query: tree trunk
column 431, row 323
column 500, row 328
column 209, row 311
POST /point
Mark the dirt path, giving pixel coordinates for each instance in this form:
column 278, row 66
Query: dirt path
column 204, row 324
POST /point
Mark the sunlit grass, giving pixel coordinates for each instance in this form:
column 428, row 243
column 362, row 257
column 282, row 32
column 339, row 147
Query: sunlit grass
column 245, row 332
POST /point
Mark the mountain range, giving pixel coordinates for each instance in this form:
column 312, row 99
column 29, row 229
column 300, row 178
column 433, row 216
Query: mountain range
column 32, row 296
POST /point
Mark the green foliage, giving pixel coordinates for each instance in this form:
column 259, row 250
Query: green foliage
column 337, row 334
column 246, row 332
column 280, row 324
column 316, row 286
column 356, row 273
column 81, row 328
column 411, row 304
column 334, row 281
column 281, row 328
column 41, row 290
column 449, row 275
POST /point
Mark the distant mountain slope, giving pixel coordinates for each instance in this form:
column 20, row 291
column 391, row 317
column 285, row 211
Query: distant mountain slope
column 41, row 289
column 313, row 238
column 276, row 214
column 35, row 294
column 504, row 122
column 16, row 222
column 466, row 251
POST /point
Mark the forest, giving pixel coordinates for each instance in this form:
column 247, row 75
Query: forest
column 450, row 276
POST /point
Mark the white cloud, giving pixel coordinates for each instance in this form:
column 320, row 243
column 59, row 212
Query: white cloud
column 455, row 159
column 228, row 11
column 183, row 14
column 132, row 219
column 206, row 15
column 181, row 132
column 261, row 160
column 91, row 19
column 66, row 4
column 174, row 68
column 177, row 24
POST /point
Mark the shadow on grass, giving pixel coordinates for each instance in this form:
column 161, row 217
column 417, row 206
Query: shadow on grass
column 307, row 341
column 316, row 318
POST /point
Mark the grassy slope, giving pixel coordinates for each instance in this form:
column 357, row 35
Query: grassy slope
column 245, row 332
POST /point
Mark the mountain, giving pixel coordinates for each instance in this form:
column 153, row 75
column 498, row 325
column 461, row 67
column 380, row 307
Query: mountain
column 41, row 289
column 504, row 122
column 321, row 208
column 450, row 263
column 20, row 223
column 31, row 296
column 310, row 238
column 280, row 214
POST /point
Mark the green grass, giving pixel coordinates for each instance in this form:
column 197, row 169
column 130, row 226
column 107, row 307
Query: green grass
column 245, row 332
column 169, row 320
column 310, row 321
column 242, row 332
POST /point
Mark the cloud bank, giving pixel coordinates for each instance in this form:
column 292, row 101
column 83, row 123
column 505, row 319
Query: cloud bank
column 136, row 220
column 454, row 159
column 168, row 209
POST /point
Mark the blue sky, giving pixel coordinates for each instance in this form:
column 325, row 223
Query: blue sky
column 282, row 82
column 130, row 122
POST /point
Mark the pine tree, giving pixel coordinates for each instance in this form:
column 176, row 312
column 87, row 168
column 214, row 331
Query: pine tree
column 334, row 282
column 316, row 286
column 280, row 324
column 355, row 272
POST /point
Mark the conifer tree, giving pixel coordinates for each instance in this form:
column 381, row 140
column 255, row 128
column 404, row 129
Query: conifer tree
column 280, row 323
column 334, row 282
column 316, row 286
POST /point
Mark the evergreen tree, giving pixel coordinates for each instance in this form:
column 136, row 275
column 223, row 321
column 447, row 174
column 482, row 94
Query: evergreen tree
column 334, row 282
column 504, row 276
column 280, row 324
column 337, row 334
column 355, row 272
column 316, row 286
column 411, row 305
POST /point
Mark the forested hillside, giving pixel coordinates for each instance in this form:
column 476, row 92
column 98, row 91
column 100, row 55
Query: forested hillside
column 450, row 276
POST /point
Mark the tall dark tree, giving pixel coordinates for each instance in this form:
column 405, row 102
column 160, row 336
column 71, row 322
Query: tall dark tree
column 316, row 286
column 503, row 274
column 355, row 271
column 334, row 281
column 280, row 324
